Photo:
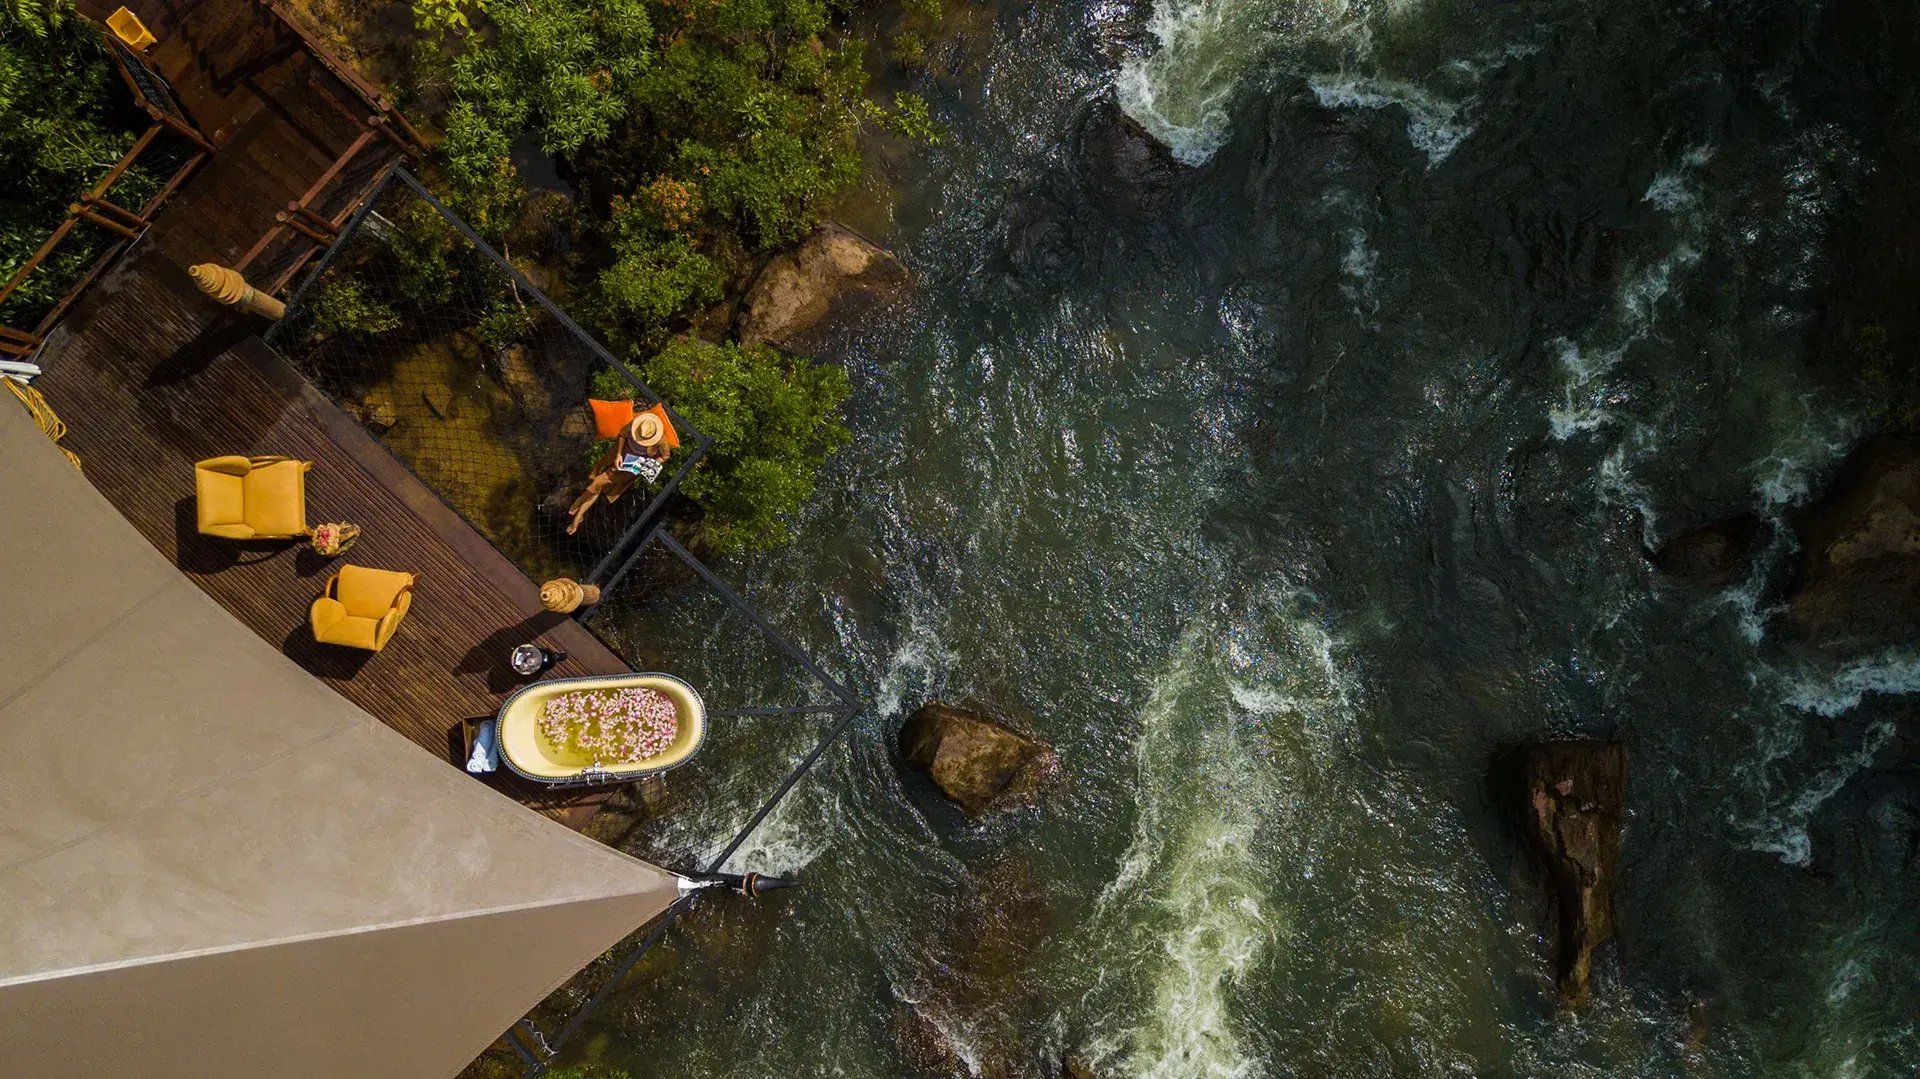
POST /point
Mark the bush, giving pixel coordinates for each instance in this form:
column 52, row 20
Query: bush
column 556, row 68
column 657, row 273
column 774, row 420
column 342, row 306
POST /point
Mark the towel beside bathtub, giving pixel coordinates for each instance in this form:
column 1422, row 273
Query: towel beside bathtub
column 486, row 749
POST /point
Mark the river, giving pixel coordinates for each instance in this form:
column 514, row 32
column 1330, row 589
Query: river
column 1280, row 485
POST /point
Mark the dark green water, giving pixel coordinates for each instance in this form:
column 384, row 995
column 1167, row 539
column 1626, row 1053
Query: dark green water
column 1284, row 487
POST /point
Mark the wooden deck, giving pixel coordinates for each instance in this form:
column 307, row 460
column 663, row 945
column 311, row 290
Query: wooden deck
column 150, row 376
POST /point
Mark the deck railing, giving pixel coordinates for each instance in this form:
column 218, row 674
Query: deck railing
column 312, row 223
column 97, row 208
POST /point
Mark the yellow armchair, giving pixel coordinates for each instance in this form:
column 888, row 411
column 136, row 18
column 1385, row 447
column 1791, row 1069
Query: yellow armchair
column 246, row 498
column 361, row 607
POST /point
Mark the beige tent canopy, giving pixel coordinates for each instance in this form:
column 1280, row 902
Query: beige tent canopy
column 213, row 865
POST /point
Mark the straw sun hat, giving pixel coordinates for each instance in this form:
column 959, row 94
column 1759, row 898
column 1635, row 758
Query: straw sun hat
column 647, row 430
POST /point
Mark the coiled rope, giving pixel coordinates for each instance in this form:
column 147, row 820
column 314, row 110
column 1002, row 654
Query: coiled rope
column 42, row 413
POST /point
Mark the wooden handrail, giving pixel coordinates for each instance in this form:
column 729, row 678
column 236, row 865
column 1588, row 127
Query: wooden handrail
column 176, row 124
column 94, row 207
column 342, row 71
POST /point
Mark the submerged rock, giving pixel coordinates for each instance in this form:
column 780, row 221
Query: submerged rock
column 1714, row 554
column 439, row 400
column 1125, row 168
column 979, row 1012
column 1076, row 1067
column 577, row 423
column 518, row 375
column 799, row 288
column 974, row 759
column 1572, row 816
column 1858, row 582
column 376, row 411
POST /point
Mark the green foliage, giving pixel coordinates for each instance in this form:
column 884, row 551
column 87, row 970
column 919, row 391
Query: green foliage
column 908, row 48
column 910, row 117
column 424, row 247
column 750, row 105
column 64, row 129
column 656, row 273
column 713, row 129
column 34, row 18
column 440, row 16
column 506, row 322
column 774, row 419
column 556, row 68
column 611, row 385
column 343, row 306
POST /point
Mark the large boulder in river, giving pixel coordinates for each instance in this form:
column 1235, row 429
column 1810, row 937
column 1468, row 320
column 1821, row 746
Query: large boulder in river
column 1571, row 819
column 1858, row 583
column 975, row 759
column 1716, row 554
column 799, row 288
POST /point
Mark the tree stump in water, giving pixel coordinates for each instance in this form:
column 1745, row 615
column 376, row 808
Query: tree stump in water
column 1572, row 823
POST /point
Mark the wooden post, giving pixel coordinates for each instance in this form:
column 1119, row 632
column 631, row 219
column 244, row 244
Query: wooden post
column 565, row 595
column 231, row 289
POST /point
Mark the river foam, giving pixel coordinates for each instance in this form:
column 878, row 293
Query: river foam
column 1436, row 126
column 1205, row 50
column 1189, row 916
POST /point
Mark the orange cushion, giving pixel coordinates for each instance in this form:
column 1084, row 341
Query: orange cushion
column 611, row 417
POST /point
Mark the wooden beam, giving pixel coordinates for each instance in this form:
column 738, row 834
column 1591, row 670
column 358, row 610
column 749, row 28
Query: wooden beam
column 103, row 221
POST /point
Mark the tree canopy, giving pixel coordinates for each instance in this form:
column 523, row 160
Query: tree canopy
column 702, row 133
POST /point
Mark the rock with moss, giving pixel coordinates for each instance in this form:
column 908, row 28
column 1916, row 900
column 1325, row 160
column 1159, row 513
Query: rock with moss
column 975, row 759
column 828, row 273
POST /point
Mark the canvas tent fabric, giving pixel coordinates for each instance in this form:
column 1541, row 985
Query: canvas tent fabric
column 213, row 865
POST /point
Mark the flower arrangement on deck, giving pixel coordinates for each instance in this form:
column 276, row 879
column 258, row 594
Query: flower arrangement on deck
column 612, row 726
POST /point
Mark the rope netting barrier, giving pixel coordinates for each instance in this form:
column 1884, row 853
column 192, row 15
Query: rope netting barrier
column 472, row 378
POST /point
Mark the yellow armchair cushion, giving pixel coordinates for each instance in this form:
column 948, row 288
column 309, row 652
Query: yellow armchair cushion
column 277, row 499
column 332, row 625
column 251, row 497
column 361, row 607
column 370, row 593
column 221, row 502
